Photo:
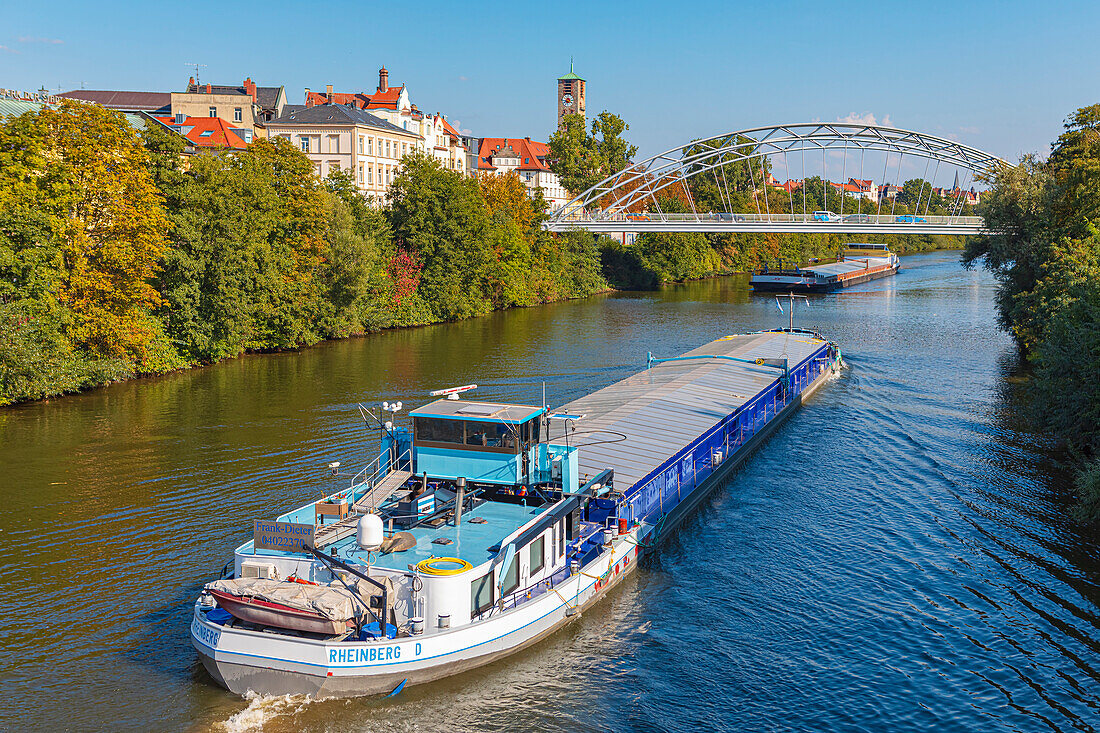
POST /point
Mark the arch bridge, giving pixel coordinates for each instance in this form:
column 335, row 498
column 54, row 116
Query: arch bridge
column 629, row 201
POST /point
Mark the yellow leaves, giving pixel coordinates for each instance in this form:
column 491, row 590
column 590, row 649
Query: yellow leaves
column 112, row 230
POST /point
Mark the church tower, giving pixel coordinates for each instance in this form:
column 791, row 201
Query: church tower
column 570, row 95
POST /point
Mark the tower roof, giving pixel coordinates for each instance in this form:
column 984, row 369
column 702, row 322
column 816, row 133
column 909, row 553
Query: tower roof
column 570, row 75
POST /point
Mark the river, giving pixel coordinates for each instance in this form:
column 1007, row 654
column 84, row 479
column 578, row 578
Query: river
column 898, row 556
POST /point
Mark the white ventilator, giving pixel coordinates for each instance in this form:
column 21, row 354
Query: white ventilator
column 368, row 533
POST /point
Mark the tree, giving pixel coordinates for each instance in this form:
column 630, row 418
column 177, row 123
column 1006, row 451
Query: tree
column 717, row 189
column 1017, row 217
column 245, row 271
column 582, row 159
column 440, row 217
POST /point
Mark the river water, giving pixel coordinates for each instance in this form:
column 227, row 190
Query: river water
column 897, row 557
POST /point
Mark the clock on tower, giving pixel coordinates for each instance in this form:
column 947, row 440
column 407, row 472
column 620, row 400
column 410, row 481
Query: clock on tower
column 570, row 95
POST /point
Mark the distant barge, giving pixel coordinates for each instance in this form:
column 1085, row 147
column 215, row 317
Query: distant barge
column 488, row 526
column 859, row 264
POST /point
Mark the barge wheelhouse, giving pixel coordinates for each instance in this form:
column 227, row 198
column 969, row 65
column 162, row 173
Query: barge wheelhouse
column 487, row 526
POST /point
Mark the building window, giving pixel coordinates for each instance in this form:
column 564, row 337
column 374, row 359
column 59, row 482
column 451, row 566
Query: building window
column 213, row 111
column 360, row 174
column 387, row 148
column 360, row 144
column 304, row 142
column 370, row 146
column 238, row 114
column 180, row 118
column 370, row 175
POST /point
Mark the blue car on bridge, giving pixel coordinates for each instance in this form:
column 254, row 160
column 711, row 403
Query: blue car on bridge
column 910, row 219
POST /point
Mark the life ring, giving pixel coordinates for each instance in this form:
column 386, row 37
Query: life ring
column 431, row 566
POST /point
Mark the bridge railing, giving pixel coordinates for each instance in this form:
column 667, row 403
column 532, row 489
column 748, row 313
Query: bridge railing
column 823, row 219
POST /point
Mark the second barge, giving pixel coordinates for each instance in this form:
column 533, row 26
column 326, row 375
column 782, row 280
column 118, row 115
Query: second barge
column 488, row 526
column 858, row 264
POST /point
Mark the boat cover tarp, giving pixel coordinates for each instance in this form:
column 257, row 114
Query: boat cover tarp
column 334, row 603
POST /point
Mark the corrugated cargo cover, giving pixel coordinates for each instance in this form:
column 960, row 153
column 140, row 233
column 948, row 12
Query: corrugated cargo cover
column 663, row 409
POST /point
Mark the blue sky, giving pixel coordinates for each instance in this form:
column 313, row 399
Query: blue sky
column 999, row 76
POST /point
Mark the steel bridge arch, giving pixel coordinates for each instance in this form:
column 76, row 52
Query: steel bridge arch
column 642, row 181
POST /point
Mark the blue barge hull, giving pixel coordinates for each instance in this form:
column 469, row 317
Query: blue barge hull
column 682, row 423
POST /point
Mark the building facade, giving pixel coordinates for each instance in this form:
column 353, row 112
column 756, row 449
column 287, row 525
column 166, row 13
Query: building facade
column 501, row 155
column 267, row 102
column 392, row 104
column 345, row 137
column 571, row 95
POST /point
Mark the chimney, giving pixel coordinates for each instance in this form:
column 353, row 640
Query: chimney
column 208, row 90
column 191, row 84
column 328, row 92
column 383, row 79
column 250, row 88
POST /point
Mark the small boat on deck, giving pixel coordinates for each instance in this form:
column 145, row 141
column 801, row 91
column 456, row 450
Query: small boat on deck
column 484, row 527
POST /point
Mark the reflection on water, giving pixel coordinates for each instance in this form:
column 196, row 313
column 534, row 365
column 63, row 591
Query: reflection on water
column 897, row 556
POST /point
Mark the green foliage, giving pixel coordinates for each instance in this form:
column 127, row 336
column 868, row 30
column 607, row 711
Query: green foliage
column 441, row 217
column 582, row 159
column 118, row 257
column 1044, row 249
column 624, row 268
column 1088, row 487
column 678, row 256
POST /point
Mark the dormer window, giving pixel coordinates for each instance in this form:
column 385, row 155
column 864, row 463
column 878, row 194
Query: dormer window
column 180, row 117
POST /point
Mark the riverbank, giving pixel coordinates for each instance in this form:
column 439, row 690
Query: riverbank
column 653, row 285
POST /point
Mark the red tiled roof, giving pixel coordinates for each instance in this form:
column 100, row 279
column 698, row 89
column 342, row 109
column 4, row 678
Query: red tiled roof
column 450, row 130
column 532, row 155
column 220, row 133
column 788, row 186
column 361, row 100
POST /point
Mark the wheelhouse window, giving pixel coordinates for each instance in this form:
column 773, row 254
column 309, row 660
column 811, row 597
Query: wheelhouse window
column 537, row 548
column 481, row 594
column 471, row 433
column 437, row 430
column 511, row 577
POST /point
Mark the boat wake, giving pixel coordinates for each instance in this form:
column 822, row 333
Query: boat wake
column 262, row 709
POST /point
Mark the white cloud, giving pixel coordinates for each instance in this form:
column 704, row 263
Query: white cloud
column 865, row 118
column 33, row 39
column 5, row 49
column 463, row 78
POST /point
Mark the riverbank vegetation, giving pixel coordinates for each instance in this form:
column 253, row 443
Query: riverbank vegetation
column 1044, row 249
column 117, row 261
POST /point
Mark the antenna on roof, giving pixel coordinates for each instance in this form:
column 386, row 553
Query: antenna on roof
column 196, row 67
column 452, row 393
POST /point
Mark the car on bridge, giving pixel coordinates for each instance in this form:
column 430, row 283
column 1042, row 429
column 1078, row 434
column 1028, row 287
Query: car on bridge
column 858, row 219
column 825, row 216
column 730, row 217
column 910, row 219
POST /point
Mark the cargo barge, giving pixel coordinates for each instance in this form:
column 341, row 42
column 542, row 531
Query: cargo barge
column 858, row 264
column 488, row 526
